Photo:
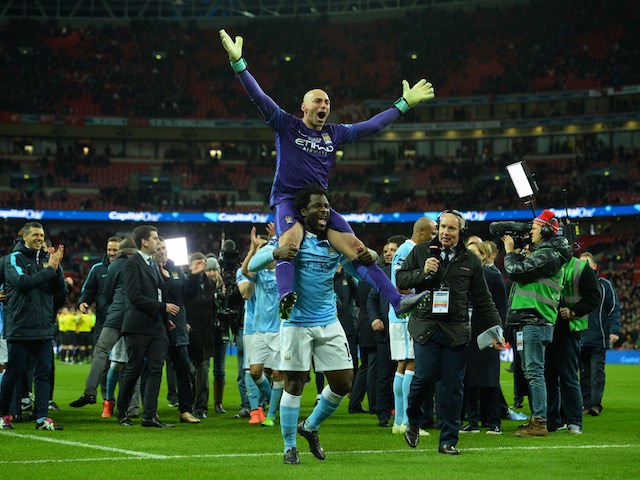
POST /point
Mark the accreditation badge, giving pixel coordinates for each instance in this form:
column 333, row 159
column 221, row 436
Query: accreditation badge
column 440, row 301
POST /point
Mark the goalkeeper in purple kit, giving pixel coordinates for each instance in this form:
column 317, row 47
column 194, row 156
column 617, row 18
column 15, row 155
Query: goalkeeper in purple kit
column 305, row 152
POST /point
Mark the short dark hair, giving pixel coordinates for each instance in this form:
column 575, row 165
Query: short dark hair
column 28, row 226
column 304, row 195
column 142, row 233
column 397, row 239
column 126, row 242
column 160, row 239
column 115, row 238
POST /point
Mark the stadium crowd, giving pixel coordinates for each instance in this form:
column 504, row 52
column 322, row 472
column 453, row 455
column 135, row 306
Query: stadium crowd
column 58, row 69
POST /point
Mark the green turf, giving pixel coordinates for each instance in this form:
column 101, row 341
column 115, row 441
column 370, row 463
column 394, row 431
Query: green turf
column 222, row 447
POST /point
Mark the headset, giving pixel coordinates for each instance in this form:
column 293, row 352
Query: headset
column 463, row 222
column 546, row 231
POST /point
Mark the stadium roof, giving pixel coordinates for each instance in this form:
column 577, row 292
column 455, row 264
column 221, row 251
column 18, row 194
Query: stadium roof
column 210, row 9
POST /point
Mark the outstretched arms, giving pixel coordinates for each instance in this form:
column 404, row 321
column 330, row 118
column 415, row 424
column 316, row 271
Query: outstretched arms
column 420, row 92
column 265, row 104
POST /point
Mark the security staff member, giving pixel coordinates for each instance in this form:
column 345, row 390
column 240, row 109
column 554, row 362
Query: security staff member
column 580, row 295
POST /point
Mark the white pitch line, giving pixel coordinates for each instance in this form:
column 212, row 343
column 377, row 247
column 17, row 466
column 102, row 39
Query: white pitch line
column 86, row 445
column 144, row 456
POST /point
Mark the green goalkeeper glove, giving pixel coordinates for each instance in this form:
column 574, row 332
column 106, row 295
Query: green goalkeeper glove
column 234, row 49
column 420, row 92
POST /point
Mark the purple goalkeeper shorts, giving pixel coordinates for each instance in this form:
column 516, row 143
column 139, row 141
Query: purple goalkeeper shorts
column 285, row 216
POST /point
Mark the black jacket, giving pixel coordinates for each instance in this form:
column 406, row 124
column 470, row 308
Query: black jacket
column 114, row 290
column 180, row 287
column 483, row 366
column 201, row 316
column 33, row 293
column 549, row 257
column 144, row 314
column 364, row 332
column 345, row 288
column 92, row 291
column 464, row 276
column 604, row 319
column 378, row 307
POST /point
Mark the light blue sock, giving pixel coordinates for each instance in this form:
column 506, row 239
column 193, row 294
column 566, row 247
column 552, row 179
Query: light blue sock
column 398, row 398
column 328, row 403
column 41, row 419
column 252, row 391
column 406, row 386
column 264, row 387
column 289, row 415
column 274, row 402
column 112, row 380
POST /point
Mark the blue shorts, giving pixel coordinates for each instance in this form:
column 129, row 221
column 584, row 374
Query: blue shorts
column 285, row 216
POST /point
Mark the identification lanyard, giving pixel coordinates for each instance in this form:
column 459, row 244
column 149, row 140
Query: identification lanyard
column 441, row 297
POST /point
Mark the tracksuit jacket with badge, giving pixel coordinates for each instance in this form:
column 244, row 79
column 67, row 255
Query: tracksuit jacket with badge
column 464, row 277
column 33, row 294
column 92, row 291
column 604, row 319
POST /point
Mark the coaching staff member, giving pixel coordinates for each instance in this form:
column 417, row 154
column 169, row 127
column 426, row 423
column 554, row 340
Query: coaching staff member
column 441, row 330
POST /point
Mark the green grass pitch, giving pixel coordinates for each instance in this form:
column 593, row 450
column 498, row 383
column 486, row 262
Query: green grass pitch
column 222, row 447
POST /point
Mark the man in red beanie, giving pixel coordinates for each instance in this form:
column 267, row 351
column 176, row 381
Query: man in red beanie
column 535, row 298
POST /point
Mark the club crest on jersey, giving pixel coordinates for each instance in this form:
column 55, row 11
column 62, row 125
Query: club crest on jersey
column 288, row 219
column 326, row 138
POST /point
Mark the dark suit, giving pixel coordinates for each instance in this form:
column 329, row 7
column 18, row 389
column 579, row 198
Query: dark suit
column 145, row 333
column 365, row 379
column 378, row 307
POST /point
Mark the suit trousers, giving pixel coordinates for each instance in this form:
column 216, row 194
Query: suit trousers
column 154, row 348
column 436, row 360
column 385, row 370
column 182, row 366
column 365, row 380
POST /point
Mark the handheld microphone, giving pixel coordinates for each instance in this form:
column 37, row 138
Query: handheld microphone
column 435, row 250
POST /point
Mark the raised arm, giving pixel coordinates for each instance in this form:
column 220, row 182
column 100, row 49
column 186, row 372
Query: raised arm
column 420, row 92
column 265, row 104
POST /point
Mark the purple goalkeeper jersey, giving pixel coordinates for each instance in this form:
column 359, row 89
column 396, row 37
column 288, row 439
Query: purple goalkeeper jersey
column 303, row 155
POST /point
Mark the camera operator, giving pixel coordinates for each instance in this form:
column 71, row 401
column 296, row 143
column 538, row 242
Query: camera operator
column 535, row 298
column 231, row 312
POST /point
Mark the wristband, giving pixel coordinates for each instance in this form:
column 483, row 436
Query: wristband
column 239, row 66
column 402, row 105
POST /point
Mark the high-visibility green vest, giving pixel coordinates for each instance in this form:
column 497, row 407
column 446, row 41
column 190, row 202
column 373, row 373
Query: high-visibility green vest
column 571, row 292
column 542, row 295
